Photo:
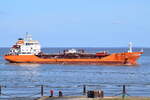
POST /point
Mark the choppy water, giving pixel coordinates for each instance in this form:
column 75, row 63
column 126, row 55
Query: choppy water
column 24, row 79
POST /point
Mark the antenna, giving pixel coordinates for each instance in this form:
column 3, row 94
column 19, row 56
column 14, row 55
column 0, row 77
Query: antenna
column 130, row 47
column 28, row 37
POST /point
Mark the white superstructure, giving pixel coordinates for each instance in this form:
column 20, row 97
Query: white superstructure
column 26, row 46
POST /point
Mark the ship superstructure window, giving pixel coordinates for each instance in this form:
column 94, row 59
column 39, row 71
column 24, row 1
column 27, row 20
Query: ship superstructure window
column 32, row 43
column 29, row 43
column 26, row 52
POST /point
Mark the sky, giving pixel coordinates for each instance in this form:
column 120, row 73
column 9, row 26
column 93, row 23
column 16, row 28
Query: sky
column 76, row 23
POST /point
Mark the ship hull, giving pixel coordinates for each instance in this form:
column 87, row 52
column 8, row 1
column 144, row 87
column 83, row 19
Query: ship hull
column 128, row 58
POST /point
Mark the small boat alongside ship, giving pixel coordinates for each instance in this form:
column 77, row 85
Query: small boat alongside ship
column 28, row 50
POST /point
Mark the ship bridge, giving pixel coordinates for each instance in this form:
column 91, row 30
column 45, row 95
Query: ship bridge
column 26, row 46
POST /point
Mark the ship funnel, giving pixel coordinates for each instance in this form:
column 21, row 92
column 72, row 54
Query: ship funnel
column 130, row 47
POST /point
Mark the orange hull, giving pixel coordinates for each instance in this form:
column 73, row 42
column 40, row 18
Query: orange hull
column 115, row 58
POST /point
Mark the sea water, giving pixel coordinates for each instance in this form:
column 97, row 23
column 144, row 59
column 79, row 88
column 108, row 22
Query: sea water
column 20, row 79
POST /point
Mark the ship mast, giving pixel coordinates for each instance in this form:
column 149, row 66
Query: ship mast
column 28, row 37
column 130, row 47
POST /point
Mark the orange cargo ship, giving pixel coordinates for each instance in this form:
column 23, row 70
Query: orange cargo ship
column 29, row 51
